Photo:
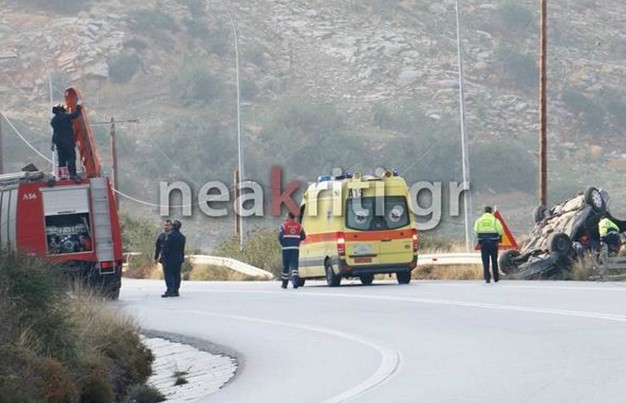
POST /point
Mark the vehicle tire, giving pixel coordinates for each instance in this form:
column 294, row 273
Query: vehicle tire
column 562, row 244
column 403, row 277
column 332, row 279
column 366, row 279
column 593, row 197
column 540, row 213
column 506, row 263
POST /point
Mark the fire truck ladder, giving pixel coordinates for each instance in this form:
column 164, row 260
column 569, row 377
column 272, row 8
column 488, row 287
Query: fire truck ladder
column 82, row 134
column 103, row 233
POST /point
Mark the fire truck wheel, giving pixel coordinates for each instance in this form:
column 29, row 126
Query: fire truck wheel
column 366, row 279
column 332, row 279
column 403, row 277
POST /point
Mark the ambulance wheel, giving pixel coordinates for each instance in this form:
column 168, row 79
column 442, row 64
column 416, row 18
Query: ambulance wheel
column 366, row 279
column 332, row 279
column 403, row 277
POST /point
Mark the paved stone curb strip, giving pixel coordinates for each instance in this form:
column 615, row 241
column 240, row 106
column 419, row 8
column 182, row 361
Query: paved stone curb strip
column 206, row 373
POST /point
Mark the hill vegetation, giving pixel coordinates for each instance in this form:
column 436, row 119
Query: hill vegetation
column 347, row 84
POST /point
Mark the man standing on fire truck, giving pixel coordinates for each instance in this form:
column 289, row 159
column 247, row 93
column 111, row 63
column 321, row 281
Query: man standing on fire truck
column 63, row 137
column 290, row 235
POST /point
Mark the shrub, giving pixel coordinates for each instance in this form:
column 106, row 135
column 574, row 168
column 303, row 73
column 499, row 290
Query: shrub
column 592, row 114
column 152, row 22
column 196, row 28
column 64, row 349
column 262, row 250
column 217, row 41
column 138, row 235
column 112, row 349
column 519, row 69
column 194, row 84
column 502, row 167
column 514, row 19
column 197, row 8
column 249, row 90
column 144, row 394
column 136, row 44
column 122, row 68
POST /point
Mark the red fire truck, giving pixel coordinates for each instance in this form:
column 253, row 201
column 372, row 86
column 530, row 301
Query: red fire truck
column 71, row 223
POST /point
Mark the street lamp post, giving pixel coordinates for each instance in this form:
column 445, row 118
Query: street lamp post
column 239, row 140
column 465, row 157
column 543, row 142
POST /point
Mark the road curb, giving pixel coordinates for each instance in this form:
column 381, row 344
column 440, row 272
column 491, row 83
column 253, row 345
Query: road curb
column 207, row 367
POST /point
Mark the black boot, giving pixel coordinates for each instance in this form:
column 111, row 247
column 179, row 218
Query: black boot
column 285, row 282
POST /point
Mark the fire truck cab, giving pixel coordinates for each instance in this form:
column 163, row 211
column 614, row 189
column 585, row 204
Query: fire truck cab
column 358, row 226
column 71, row 223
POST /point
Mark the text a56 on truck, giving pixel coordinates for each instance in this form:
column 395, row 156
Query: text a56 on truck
column 70, row 223
column 357, row 226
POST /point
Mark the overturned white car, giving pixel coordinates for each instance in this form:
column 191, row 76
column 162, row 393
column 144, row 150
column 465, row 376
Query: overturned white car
column 561, row 235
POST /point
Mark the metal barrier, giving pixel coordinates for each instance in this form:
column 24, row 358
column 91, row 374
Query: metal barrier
column 441, row 259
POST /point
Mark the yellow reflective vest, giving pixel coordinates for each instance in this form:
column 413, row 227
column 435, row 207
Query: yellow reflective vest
column 488, row 227
column 605, row 225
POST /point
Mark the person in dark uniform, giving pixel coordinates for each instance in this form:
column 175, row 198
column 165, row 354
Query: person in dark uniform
column 489, row 231
column 63, row 137
column 290, row 235
column 172, row 258
column 158, row 244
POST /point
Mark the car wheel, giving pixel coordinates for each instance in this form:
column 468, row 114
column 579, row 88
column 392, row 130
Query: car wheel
column 403, row 277
column 366, row 279
column 562, row 244
column 594, row 198
column 539, row 214
column 332, row 279
column 506, row 262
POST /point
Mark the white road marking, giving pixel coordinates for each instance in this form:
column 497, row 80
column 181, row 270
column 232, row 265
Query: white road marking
column 389, row 364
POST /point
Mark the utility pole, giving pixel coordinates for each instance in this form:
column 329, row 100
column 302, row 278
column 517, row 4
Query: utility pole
column 1, row 149
column 543, row 142
column 114, row 167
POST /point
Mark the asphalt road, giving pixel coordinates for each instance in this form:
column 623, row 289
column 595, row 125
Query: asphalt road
column 434, row 341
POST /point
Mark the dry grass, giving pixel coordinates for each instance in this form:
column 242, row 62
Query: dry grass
column 66, row 346
column 584, row 269
column 452, row 272
column 217, row 273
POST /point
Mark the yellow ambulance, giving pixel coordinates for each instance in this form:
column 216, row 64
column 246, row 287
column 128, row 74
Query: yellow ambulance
column 357, row 226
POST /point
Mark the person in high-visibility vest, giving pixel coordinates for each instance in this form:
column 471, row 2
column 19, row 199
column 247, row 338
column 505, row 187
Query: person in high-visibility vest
column 609, row 233
column 489, row 230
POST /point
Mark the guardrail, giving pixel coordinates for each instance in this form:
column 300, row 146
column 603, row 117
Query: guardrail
column 436, row 259
column 448, row 259
column 232, row 264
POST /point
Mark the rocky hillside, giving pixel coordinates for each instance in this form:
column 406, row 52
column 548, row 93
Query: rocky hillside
column 388, row 68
